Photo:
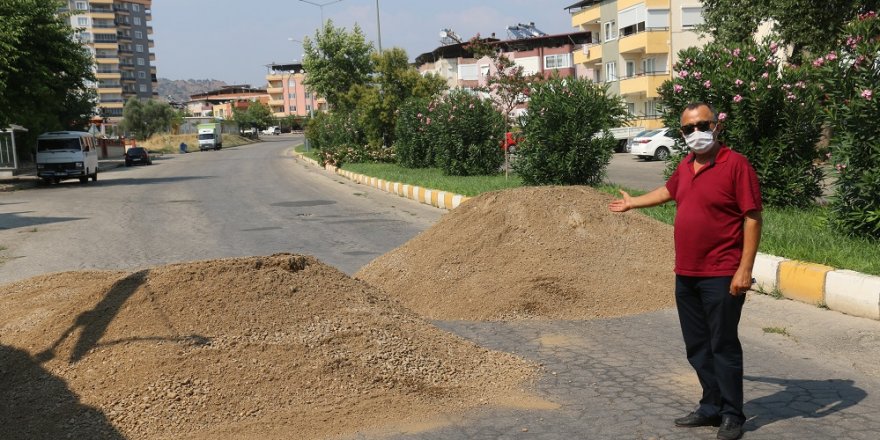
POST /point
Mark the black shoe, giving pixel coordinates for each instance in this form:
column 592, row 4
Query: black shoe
column 731, row 429
column 696, row 419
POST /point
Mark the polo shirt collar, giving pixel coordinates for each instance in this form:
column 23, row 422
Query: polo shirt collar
column 720, row 157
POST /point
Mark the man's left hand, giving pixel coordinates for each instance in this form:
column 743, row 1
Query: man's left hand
column 741, row 282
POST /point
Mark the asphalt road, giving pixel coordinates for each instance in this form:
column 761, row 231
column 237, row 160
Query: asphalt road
column 631, row 172
column 242, row 201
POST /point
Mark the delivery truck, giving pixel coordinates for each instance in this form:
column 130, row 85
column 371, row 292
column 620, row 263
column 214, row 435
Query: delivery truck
column 210, row 136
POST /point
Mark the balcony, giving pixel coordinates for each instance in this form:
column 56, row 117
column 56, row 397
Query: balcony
column 116, row 90
column 107, row 75
column 643, row 84
column 645, row 42
column 591, row 54
column 276, row 102
column 275, row 90
column 105, row 38
column 107, row 61
column 587, row 16
column 149, row 30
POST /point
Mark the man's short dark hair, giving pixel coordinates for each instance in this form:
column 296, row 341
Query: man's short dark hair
column 696, row 105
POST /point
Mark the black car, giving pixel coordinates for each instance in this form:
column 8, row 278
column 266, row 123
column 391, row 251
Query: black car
column 137, row 155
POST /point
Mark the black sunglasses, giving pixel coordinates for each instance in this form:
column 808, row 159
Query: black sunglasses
column 702, row 126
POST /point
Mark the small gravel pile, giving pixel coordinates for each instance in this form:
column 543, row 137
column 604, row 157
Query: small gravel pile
column 546, row 252
column 264, row 347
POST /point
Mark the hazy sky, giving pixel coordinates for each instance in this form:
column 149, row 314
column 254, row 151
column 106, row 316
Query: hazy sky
column 233, row 40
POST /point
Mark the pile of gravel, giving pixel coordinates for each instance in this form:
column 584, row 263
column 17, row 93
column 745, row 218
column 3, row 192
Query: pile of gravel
column 545, row 252
column 263, row 347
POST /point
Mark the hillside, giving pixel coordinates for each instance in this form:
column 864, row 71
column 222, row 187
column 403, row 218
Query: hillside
column 180, row 89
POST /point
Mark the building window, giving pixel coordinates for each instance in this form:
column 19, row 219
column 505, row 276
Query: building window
column 291, row 83
column 484, row 69
column 291, row 96
column 559, row 61
column 292, row 109
column 651, row 109
column 142, row 75
column 139, row 47
column 138, row 34
column 631, row 108
column 691, row 16
column 136, row 21
column 610, row 30
column 140, row 61
column 82, row 21
column 630, row 69
column 611, row 71
column 648, row 65
column 467, row 72
column 143, row 88
column 135, row 7
column 82, row 6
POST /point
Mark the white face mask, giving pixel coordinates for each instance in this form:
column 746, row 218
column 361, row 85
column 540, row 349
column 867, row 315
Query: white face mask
column 700, row 141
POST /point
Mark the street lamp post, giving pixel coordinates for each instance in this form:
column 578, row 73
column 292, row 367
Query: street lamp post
column 378, row 26
column 321, row 5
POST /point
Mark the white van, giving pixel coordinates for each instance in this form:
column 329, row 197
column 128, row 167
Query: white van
column 67, row 155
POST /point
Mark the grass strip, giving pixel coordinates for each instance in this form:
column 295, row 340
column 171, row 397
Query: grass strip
column 433, row 178
column 311, row 154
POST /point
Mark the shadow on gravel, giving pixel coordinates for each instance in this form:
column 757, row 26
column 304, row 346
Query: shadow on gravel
column 34, row 404
column 809, row 399
column 14, row 220
column 95, row 322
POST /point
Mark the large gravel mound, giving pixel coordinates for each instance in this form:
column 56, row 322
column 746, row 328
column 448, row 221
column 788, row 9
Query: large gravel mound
column 546, row 252
column 271, row 347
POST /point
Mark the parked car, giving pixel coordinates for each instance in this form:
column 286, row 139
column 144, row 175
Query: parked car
column 653, row 144
column 137, row 155
column 272, row 130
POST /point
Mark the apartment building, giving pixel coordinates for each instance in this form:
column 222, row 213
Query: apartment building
column 635, row 44
column 534, row 51
column 221, row 103
column 117, row 33
column 287, row 91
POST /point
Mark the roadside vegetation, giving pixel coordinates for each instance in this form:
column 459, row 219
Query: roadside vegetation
column 802, row 109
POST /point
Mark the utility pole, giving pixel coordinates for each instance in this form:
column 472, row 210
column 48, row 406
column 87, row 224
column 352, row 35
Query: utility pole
column 378, row 26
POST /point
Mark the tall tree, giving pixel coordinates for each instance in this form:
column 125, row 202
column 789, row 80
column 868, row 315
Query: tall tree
column 394, row 82
column 809, row 26
column 44, row 71
column 336, row 61
column 144, row 119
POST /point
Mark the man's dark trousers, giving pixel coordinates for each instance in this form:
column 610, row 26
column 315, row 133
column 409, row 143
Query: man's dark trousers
column 709, row 317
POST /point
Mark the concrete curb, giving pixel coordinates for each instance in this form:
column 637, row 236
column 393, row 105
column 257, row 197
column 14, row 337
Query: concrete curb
column 844, row 291
column 436, row 198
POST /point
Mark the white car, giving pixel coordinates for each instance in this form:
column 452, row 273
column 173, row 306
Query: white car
column 272, row 130
column 653, row 144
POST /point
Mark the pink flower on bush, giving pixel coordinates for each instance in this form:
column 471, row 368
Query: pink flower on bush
column 689, row 62
column 831, row 56
column 471, row 106
column 867, row 15
column 773, row 47
column 800, row 85
column 677, row 88
column 707, row 84
column 818, row 62
column 698, row 75
column 419, row 115
column 738, row 82
column 736, row 52
column 752, row 58
column 683, row 74
column 428, row 121
column 790, row 97
column 729, row 63
column 867, row 94
column 765, row 75
column 722, row 116
column 737, row 98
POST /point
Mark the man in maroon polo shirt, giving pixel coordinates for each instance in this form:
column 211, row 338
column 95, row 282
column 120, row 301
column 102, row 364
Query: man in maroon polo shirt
column 717, row 231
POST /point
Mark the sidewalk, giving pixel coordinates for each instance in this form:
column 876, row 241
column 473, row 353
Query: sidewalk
column 844, row 291
column 27, row 178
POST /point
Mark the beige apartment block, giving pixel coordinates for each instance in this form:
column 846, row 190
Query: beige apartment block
column 119, row 37
column 634, row 46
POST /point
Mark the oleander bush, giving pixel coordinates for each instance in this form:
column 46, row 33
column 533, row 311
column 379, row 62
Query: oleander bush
column 566, row 139
column 770, row 113
column 850, row 77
